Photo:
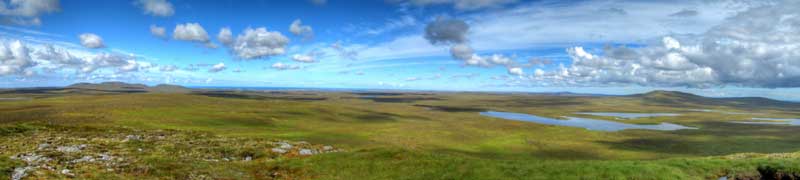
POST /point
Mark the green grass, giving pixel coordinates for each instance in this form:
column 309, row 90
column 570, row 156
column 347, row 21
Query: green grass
column 398, row 140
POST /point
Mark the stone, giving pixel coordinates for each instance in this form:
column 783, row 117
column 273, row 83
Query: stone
column 132, row 138
column 278, row 150
column 285, row 145
column 69, row 149
column 43, row 146
column 306, row 152
column 67, row 172
column 20, row 172
column 84, row 159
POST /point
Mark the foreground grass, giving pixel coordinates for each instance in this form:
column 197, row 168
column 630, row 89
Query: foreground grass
column 171, row 154
column 403, row 164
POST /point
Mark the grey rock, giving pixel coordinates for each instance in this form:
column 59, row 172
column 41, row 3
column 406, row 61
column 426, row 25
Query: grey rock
column 31, row 158
column 284, row 145
column 43, row 146
column 306, row 152
column 132, row 138
column 67, row 172
column 279, row 150
column 20, row 172
column 84, row 159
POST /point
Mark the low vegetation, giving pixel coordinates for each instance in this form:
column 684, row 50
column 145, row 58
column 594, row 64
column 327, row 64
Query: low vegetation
column 94, row 133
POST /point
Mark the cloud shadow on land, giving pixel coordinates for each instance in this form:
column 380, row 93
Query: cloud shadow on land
column 718, row 138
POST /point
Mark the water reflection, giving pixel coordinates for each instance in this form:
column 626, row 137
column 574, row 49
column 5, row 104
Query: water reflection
column 627, row 115
column 590, row 124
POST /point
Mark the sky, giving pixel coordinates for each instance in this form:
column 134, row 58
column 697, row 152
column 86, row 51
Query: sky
column 720, row 48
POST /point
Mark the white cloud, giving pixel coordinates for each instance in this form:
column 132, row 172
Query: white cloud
column 90, row 40
column 303, row 58
column 464, row 4
column 281, row 66
column 413, row 79
column 123, row 63
column 297, row 28
column 15, row 59
column 515, row 71
column 26, row 12
column 259, row 43
column 161, row 8
column 756, row 48
column 225, row 36
column 545, row 23
column 158, row 31
column 217, row 67
column 192, row 32
column 60, row 59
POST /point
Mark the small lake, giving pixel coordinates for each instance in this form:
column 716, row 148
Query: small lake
column 14, row 99
column 590, row 124
column 723, row 112
column 627, row 115
column 772, row 121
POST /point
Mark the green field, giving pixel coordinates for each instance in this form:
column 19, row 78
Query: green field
column 208, row 134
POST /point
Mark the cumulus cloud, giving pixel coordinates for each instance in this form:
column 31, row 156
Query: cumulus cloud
column 463, row 4
column 192, row 32
column 297, row 28
column 446, row 31
column 453, row 32
column 225, row 36
column 217, row 67
column 158, row 31
column 281, row 66
column 756, row 48
column 161, row 8
column 305, row 58
column 90, row 40
column 26, row 12
column 123, row 63
column 515, row 71
column 15, row 59
column 259, row 43
column 59, row 58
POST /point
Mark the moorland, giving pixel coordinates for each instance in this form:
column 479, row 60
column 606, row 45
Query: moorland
column 131, row 131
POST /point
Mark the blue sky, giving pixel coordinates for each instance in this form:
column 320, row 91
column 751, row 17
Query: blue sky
column 713, row 48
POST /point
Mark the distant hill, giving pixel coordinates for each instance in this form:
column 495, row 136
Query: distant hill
column 127, row 87
column 677, row 98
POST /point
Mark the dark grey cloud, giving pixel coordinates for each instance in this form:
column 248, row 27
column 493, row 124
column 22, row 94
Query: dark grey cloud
column 446, row 31
column 685, row 13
